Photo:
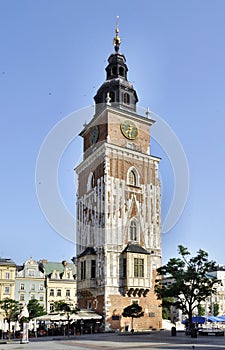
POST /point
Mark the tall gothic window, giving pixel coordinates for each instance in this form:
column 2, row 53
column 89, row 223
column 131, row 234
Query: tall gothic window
column 133, row 230
column 83, row 270
column 124, row 267
column 93, row 269
column 132, row 177
column 90, row 182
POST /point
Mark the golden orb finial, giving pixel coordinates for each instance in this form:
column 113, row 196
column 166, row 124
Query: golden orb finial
column 117, row 40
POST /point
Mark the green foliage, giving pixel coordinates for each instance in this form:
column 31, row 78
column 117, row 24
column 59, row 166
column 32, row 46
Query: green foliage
column 133, row 311
column 214, row 309
column 166, row 305
column 63, row 307
column 191, row 284
column 10, row 308
column 165, row 313
column 201, row 310
column 35, row 309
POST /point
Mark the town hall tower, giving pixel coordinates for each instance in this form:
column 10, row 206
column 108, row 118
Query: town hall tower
column 118, row 206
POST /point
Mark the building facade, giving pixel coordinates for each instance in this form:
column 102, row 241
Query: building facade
column 118, row 206
column 30, row 283
column 7, row 281
column 219, row 297
column 44, row 281
column 60, row 283
column 7, row 278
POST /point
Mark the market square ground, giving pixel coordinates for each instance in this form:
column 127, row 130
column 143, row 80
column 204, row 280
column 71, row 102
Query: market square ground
column 109, row 341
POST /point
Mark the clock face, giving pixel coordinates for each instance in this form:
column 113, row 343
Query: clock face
column 94, row 134
column 129, row 129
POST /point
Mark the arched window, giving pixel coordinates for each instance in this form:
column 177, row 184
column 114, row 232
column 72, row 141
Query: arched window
column 114, row 70
column 126, row 98
column 133, row 177
column 133, row 230
column 121, row 71
column 112, row 96
column 90, row 182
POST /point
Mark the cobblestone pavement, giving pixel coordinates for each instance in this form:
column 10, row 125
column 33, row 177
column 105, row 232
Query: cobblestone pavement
column 153, row 341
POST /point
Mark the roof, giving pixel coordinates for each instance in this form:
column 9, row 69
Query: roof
column 88, row 251
column 135, row 248
column 7, row 261
column 50, row 266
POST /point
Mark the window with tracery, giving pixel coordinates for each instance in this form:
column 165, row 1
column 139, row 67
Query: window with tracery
column 132, row 177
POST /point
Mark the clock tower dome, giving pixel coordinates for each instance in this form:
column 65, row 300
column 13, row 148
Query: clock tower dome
column 118, row 205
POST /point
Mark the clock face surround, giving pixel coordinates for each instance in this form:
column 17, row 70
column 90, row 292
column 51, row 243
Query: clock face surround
column 129, row 129
column 94, row 133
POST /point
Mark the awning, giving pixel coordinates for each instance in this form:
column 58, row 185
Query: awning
column 81, row 315
column 87, row 315
column 196, row 319
column 203, row 319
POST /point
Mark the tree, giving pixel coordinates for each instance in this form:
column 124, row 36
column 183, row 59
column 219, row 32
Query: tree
column 166, row 305
column 35, row 309
column 192, row 283
column 201, row 310
column 133, row 311
column 214, row 309
column 11, row 310
column 65, row 308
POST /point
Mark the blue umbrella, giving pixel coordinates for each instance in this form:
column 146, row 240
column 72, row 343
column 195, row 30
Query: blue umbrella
column 196, row 319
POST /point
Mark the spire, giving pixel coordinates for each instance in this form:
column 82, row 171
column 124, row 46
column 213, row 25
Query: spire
column 117, row 40
column 116, row 91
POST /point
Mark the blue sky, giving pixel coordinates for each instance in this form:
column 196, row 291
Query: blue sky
column 53, row 56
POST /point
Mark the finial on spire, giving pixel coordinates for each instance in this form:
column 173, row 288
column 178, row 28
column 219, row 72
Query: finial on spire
column 117, row 40
column 108, row 99
column 148, row 113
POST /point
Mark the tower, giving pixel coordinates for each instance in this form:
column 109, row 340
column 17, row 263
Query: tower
column 118, row 205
